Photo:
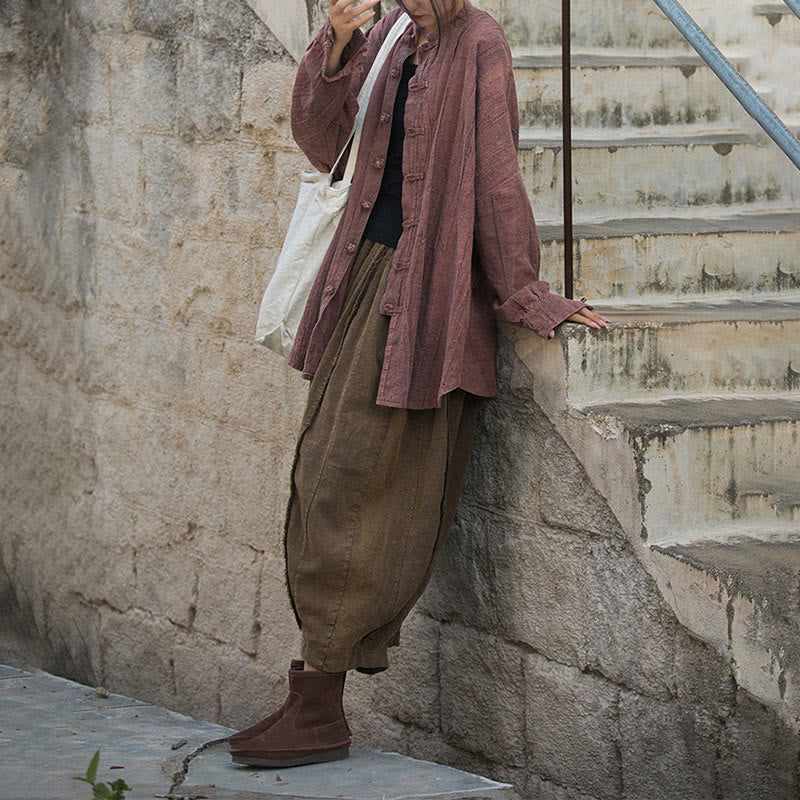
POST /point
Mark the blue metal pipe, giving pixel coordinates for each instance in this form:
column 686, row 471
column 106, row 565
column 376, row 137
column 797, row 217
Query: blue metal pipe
column 794, row 5
column 737, row 85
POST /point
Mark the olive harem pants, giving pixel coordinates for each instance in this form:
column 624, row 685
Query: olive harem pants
column 373, row 489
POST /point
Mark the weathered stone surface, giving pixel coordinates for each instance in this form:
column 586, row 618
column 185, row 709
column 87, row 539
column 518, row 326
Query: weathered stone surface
column 266, row 102
column 137, row 654
column 227, row 592
column 667, row 751
column 571, row 727
column 409, row 691
column 482, row 696
column 759, row 766
column 147, row 178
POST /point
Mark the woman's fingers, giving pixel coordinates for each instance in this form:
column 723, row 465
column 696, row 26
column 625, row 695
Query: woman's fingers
column 590, row 318
column 346, row 15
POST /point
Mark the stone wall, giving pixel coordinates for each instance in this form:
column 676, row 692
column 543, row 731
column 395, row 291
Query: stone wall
column 147, row 173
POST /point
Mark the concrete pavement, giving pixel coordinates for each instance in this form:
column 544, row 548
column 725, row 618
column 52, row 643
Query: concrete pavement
column 50, row 727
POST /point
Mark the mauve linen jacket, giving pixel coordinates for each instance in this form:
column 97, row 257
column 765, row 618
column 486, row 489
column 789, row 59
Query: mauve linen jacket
column 469, row 250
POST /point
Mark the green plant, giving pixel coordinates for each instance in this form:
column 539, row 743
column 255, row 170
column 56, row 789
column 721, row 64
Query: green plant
column 102, row 791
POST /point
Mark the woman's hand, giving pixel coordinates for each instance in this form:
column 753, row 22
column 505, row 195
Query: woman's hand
column 345, row 17
column 585, row 317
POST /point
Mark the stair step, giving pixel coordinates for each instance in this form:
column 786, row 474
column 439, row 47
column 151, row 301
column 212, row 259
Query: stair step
column 658, row 267
column 626, row 174
column 772, row 10
column 740, row 595
column 701, row 458
column 617, row 23
column 733, row 345
column 617, row 88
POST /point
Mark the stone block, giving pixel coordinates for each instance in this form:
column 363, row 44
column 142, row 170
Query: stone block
column 572, row 727
column 288, row 166
column 667, row 752
column 249, row 689
column 115, row 162
column 758, row 754
column 508, row 575
column 630, row 633
column 100, row 15
column 127, row 278
column 86, row 84
column 567, row 497
column 505, row 466
column 208, row 89
column 703, row 677
column 280, row 638
column 228, row 590
column 482, row 694
column 206, row 284
column 168, row 182
column 161, row 21
column 409, row 690
column 232, row 196
column 167, row 574
column 197, row 670
column 142, row 76
column 542, row 789
column 238, row 25
column 267, row 102
column 136, row 649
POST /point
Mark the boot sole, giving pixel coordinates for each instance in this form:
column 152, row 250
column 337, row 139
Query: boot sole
column 310, row 758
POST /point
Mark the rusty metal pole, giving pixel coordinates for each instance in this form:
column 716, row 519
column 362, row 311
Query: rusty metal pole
column 566, row 117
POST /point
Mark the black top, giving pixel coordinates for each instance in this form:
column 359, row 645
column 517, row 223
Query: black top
column 385, row 223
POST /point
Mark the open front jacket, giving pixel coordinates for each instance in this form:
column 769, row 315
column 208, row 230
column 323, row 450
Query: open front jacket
column 469, row 251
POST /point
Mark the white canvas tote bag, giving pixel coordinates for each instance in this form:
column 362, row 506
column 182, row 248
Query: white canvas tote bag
column 320, row 206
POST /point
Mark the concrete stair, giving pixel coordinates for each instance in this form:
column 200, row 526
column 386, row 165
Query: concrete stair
column 686, row 411
column 641, row 170
column 670, row 255
column 613, row 89
column 734, row 593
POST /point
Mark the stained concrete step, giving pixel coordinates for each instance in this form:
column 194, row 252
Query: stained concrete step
column 617, row 23
column 614, row 89
column 738, row 594
column 673, row 167
column 743, row 346
column 702, row 459
column 50, row 727
column 750, row 252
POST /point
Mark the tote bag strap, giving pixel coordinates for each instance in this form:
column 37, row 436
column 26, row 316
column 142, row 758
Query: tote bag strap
column 397, row 30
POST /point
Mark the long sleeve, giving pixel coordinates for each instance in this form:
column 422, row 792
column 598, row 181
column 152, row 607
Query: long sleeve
column 324, row 107
column 505, row 230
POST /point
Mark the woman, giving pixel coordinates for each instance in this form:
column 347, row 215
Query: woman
column 398, row 337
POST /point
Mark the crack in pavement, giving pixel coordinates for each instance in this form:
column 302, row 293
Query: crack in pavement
column 181, row 770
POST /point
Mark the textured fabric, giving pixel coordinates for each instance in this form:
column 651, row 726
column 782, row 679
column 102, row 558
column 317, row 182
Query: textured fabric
column 469, row 249
column 385, row 223
column 374, row 489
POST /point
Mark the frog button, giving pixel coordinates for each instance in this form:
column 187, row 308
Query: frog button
column 366, row 205
column 351, row 248
column 384, row 117
column 395, row 72
column 328, row 290
column 379, row 162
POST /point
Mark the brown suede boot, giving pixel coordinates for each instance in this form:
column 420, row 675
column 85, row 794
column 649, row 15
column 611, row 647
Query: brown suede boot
column 312, row 727
column 236, row 739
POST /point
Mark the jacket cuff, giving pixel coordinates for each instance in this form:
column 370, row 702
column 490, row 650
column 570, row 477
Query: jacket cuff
column 551, row 311
column 327, row 38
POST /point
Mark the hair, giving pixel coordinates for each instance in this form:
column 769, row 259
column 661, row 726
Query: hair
column 440, row 9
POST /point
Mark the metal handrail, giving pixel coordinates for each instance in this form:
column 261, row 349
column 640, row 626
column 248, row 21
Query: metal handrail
column 794, row 5
column 566, row 139
column 737, row 85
